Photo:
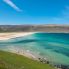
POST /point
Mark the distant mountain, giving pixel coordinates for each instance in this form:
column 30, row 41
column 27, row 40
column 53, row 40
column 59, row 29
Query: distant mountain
column 35, row 28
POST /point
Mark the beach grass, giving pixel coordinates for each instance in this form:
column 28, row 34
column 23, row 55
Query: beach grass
column 13, row 61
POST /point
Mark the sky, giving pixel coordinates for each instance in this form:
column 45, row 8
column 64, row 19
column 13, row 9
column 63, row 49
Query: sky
column 34, row 12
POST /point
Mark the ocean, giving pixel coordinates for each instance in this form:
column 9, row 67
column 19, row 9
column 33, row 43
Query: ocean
column 52, row 46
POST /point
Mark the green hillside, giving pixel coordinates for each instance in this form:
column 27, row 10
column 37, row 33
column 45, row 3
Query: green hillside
column 14, row 61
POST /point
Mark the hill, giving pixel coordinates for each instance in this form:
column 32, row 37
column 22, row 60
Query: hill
column 34, row 28
column 14, row 61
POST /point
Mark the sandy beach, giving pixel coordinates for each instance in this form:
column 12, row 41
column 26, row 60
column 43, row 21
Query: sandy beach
column 6, row 36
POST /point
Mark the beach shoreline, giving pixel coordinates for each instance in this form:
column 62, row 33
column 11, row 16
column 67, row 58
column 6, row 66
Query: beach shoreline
column 23, row 52
column 12, row 49
column 15, row 47
column 10, row 35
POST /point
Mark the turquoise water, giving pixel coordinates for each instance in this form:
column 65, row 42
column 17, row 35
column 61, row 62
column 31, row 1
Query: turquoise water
column 53, row 46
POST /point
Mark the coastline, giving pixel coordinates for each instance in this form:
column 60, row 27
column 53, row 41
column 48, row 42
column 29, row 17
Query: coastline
column 21, row 51
column 10, row 35
column 7, row 36
column 26, row 53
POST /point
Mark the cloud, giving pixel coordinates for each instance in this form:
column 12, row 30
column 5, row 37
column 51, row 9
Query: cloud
column 10, row 3
column 67, row 7
column 66, row 12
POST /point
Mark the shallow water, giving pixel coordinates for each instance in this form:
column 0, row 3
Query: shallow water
column 53, row 46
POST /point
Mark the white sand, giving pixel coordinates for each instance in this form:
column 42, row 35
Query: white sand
column 6, row 36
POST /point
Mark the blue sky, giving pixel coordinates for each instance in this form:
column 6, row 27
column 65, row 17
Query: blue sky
column 34, row 11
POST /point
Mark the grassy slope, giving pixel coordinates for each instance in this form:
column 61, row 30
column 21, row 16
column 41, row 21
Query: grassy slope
column 14, row 61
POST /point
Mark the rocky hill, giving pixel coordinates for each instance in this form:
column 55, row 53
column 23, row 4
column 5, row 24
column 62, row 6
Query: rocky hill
column 34, row 28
